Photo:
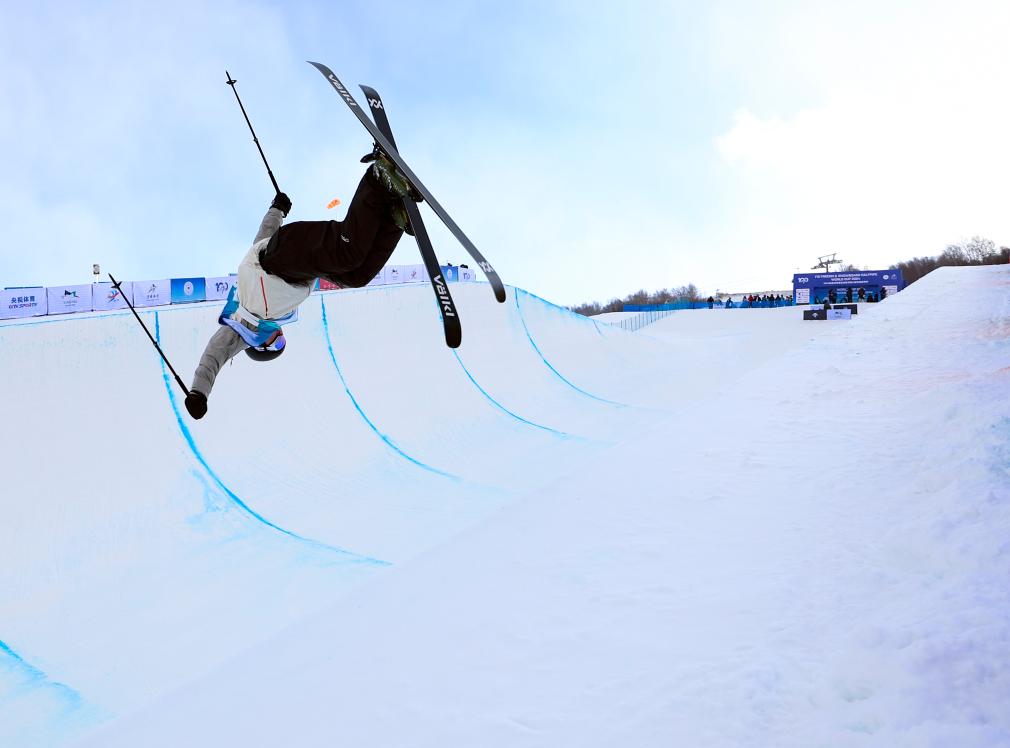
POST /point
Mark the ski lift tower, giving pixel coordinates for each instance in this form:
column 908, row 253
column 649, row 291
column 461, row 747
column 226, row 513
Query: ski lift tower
column 826, row 262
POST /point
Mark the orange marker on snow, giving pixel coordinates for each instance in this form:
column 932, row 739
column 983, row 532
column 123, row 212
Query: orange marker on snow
column 333, row 203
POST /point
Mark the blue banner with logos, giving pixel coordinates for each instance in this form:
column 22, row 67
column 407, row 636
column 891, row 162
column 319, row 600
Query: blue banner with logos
column 188, row 290
column 813, row 288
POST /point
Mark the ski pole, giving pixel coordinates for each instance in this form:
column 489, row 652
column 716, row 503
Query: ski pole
column 231, row 82
column 118, row 286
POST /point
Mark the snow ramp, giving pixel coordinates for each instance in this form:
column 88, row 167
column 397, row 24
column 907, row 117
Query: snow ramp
column 139, row 547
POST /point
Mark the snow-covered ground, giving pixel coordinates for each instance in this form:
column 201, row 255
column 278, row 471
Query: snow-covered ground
column 728, row 529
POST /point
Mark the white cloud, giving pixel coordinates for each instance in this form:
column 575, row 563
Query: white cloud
column 906, row 151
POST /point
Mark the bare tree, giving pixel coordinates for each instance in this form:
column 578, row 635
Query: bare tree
column 978, row 248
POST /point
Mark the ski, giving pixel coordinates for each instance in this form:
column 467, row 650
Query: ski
column 450, row 318
column 390, row 150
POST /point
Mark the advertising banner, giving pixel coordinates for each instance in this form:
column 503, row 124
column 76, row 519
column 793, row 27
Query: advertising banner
column 379, row 279
column 105, row 298
column 450, row 273
column 839, row 314
column 23, row 302
column 218, row 288
column 813, row 288
column 392, row 274
column 413, row 274
column 67, row 299
column 152, row 293
column 188, row 290
column 325, row 285
column 466, row 275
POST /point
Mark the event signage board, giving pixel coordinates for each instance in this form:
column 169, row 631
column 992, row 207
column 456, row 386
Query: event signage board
column 23, row 302
column 188, row 290
column 810, row 288
column 412, row 273
column 219, row 287
column 68, row 299
column 466, row 275
column 839, row 313
column 379, row 279
column 152, row 293
column 393, row 274
column 450, row 273
column 105, row 298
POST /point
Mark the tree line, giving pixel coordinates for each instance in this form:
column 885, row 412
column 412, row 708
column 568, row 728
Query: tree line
column 976, row 251
column 642, row 297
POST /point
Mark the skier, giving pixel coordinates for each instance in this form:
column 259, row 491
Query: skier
column 280, row 269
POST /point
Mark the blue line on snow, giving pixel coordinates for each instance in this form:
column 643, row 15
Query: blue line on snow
column 389, row 442
column 499, row 405
column 37, row 675
column 356, row 558
column 548, row 363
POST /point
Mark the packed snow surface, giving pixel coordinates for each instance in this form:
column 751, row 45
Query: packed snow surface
column 733, row 528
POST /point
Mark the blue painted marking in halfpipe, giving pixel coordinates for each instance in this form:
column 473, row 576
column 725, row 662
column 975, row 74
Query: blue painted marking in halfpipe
column 352, row 557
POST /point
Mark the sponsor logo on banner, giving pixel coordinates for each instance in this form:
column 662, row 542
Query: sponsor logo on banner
column 67, row 299
column 105, row 297
column 450, row 273
column 392, row 274
column 218, row 287
column 325, row 285
column 413, row 273
column 22, row 302
column 466, row 274
column 152, row 293
column 188, row 290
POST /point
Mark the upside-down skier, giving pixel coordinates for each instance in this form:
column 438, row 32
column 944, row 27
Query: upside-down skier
column 280, row 269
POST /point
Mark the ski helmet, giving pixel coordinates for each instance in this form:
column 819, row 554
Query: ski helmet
column 269, row 351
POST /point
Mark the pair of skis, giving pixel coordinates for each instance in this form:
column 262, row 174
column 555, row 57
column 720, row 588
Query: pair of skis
column 382, row 133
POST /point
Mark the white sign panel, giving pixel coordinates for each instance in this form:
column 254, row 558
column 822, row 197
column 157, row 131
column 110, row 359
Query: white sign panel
column 67, row 299
column 466, row 274
column 105, row 297
column 413, row 273
column 152, row 293
column 22, row 302
column 802, row 296
column 839, row 314
column 393, row 274
column 218, row 288
column 379, row 279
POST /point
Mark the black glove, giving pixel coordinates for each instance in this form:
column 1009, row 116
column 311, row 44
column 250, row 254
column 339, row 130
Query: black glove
column 196, row 404
column 282, row 202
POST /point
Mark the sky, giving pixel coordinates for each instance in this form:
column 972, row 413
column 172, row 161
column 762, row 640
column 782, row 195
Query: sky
column 589, row 152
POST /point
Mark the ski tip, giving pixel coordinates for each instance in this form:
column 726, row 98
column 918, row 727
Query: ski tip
column 499, row 293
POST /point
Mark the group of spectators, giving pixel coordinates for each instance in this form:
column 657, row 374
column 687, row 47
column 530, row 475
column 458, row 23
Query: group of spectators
column 752, row 302
column 834, row 297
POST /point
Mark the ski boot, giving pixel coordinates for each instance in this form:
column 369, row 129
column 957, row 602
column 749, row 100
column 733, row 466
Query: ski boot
column 399, row 216
column 386, row 173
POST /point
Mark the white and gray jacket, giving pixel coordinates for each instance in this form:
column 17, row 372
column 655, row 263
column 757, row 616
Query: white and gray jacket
column 265, row 296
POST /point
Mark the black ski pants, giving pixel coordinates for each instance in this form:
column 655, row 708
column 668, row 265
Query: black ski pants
column 349, row 252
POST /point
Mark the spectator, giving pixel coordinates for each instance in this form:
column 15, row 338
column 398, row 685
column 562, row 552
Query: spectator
column 883, row 292
column 711, row 302
column 832, row 296
column 848, row 295
column 862, row 294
